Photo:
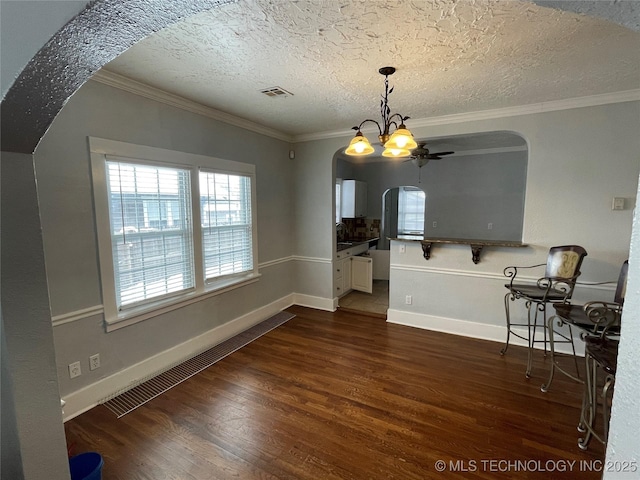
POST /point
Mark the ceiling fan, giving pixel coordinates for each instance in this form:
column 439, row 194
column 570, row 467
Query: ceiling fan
column 420, row 155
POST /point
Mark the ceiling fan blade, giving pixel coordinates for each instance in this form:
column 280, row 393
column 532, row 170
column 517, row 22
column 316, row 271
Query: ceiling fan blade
column 442, row 153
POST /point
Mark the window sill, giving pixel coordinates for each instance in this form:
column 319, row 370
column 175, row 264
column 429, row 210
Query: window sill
column 212, row 289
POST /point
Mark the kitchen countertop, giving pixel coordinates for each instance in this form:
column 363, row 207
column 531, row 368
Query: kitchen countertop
column 355, row 243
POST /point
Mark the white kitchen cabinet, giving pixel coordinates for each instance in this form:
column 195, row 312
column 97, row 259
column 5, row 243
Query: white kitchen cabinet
column 353, row 272
column 342, row 270
column 346, row 274
column 362, row 274
column 354, row 199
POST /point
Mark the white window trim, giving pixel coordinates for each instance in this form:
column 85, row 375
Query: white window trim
column 338, row 209
column 99, row 149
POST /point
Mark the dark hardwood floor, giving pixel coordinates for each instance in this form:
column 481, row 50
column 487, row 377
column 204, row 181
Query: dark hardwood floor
column 347, row 396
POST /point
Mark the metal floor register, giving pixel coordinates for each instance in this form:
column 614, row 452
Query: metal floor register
column 137, row 395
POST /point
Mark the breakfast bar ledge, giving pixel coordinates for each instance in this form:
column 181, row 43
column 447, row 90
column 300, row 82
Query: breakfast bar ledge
column 476, row 245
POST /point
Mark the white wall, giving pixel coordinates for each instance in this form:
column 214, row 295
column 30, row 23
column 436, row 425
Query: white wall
column 69, row 231
column 622, row 448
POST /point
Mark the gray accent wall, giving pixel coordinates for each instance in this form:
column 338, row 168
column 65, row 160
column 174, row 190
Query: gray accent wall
column 467, row 193
column 464, row 192
column 592, row 154
column 32, row 408
column 11, row 459
column 578, row 160
column 69, row 230
column 19, row 44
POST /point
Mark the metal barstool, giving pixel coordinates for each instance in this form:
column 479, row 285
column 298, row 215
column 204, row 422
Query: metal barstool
column 601, row 353
column 561, row 272
column 592, row 318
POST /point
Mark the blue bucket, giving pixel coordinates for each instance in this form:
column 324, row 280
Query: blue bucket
column 86, row 466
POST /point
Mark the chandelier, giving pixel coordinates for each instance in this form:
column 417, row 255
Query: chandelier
column 396, row 144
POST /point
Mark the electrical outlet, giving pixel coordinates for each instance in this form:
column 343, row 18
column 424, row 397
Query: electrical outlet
column 489, row 226
column 435, row 224
column 402, row 249
column 408, row 299
column 74, row 370
column 94, row 361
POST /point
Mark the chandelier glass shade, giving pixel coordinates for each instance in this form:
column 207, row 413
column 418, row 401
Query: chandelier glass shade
column 359, row 146
column 401, row 139
column 396, row 152
column 397, row 144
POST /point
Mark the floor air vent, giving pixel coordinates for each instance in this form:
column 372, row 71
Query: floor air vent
column 134, row 397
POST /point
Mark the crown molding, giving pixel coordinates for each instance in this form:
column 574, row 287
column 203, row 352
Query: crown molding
column 133, row 86
column 138, row 88
column 551, row 106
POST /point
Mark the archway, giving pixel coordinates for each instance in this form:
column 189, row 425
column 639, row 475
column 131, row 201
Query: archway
column 33, row 445
column 102, row 31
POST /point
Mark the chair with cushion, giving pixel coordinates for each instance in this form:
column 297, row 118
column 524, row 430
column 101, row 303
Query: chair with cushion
column 596, row 318
column 556, row 286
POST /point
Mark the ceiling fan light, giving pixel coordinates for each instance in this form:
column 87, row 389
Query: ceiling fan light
column 420, row 161
column 401, row 139
column 396, row 152
column 359, row 145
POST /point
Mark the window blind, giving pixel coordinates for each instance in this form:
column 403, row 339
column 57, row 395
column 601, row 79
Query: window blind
column 411, row 207
column 151, row 231
column 225, row 202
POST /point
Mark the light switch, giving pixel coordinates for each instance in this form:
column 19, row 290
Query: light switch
column 618, row 203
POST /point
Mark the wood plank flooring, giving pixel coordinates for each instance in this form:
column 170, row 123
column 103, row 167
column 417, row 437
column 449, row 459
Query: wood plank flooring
column 347, row 396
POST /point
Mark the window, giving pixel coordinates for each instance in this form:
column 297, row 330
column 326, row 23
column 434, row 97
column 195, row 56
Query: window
column 411, row 208
column 225, row 202
column 151, row 231
column 172, row 227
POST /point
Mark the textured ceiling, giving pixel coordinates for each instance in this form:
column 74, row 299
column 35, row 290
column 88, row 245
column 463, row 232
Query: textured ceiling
column 451, row 57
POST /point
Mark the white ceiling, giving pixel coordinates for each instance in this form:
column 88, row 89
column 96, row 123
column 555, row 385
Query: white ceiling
column 452, row 56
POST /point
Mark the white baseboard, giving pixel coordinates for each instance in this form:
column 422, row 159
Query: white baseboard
column 319, row 303
column 88, row 397
column 466, row 328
